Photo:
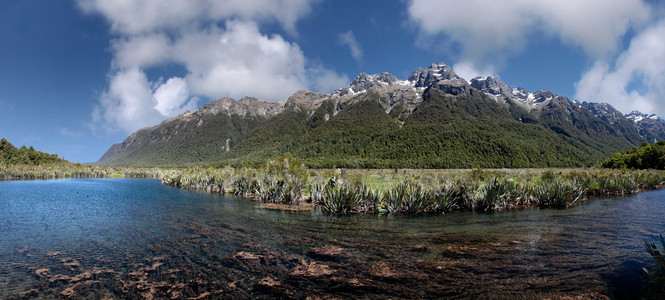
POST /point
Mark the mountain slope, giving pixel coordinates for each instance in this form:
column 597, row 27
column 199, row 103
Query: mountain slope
column 434, row 119
column 649, row 127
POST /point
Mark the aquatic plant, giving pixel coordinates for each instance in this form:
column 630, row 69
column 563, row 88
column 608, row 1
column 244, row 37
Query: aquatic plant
column 292, row 190
column 70, row 170
column 416, row 200
column 655, row 276
column 558, row 194
column 392, row 198
column 490, row 196
column 316, row 191
column 418, row 191
column 340, row 200
column 446, row 198
column 370, row 199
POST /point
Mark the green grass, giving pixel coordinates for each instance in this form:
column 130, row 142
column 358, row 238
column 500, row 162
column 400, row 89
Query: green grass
column 70, row 170
column 411, row 191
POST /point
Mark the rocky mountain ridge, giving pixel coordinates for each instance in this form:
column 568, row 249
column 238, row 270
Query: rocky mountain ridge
column 233, row 121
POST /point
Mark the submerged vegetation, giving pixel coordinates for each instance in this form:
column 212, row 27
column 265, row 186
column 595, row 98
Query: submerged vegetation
column 288, row 181
column 655, row 276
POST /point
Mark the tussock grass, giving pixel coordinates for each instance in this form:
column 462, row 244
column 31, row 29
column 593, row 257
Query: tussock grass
column 411, row 192
column 70, row 170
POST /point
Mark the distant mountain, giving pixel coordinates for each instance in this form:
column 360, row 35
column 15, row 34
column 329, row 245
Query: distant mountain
column 650, row 127
column 433, row 119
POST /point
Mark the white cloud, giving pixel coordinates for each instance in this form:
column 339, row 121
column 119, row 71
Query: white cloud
column 326, row 81
column 240, row 61
column 136, row 17
column 468, row 71
column 173, row 97
column 70, row 133
column 217, row 43
column 128, row 104
column 489, row 31
column 595, row 25
column 132, row 102
column 348, row 39
column 636, row 80
column 144, row 50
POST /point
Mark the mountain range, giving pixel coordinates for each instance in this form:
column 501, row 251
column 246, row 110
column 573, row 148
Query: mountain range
column 433, row 119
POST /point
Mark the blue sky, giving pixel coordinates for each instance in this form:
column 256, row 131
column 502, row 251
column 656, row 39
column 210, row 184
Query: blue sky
column 78, row 76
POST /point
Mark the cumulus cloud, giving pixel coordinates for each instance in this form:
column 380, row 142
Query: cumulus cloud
column 240, row 61
column 468, row 71
column 636, row 80
column 488, row 31
column 173, row 96
column 348, row 39
column 132, row 102
column 326, row 81
column 219, row 46
column 136, row 17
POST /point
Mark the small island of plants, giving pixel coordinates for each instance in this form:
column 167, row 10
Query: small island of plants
column 342, row 191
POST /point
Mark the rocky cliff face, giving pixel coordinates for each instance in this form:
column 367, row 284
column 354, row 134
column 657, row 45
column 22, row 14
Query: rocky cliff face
column 424, row 77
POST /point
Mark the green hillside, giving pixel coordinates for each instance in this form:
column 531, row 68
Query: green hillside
column 11, row 155
column 646, row 156
column 451, row 126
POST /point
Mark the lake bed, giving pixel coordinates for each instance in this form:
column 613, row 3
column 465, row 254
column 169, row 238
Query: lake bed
column 137, row 238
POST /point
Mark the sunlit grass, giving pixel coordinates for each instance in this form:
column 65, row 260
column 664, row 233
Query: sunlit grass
column 417, row 191
column 70, row 170
column 401, row 191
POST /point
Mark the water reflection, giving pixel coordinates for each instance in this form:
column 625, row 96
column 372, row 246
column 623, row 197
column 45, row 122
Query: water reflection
column 137, row 238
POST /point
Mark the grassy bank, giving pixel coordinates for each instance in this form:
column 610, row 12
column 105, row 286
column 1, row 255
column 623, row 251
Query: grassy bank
column 416, row 191
column 397, row 191
column 69, row 170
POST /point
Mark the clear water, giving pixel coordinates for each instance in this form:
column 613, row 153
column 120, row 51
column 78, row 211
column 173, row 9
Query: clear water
column 136, row 238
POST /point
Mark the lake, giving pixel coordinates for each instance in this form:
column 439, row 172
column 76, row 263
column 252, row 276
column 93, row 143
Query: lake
column 137, row 238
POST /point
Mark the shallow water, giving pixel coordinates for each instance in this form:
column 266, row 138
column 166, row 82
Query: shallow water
column 136, row 238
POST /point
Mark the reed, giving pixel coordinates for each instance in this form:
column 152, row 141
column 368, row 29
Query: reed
column 70, row 170
column 416, row 199
column 559, row 194
column 490, row 196
column 446, row 198
column 341, row 200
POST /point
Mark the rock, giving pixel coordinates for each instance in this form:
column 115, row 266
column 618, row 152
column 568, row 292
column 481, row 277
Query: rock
column 327, row 252
column 311, row 269
column 42, row 273
column 454, row 87
column 247, row 256
column 424, row 77
column 365, row 82
column 305, row 99
column 269, row 282
column 492, row 85
column 29, row 293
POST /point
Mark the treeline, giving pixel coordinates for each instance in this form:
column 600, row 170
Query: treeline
column 646, row 156
column 11, row 155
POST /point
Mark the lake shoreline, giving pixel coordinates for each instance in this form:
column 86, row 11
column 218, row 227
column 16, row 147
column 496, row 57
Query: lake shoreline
column 417, row 192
